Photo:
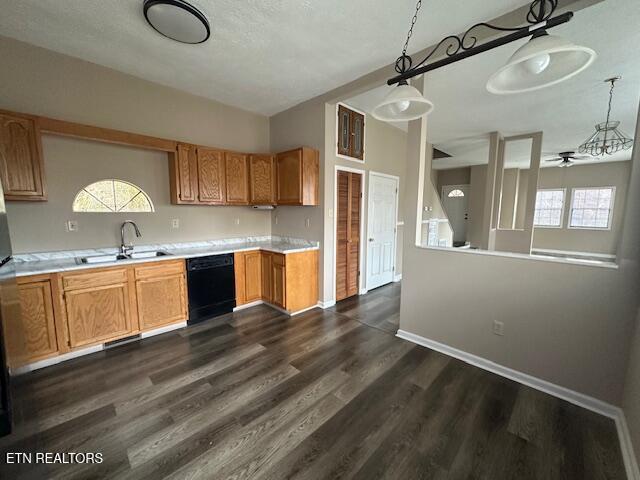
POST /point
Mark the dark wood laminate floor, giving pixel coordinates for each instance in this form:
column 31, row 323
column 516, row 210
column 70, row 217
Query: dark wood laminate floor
column 380, row 308
column 258, row 395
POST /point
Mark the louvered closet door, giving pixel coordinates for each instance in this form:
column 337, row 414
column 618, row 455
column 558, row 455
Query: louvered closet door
column 348, row 235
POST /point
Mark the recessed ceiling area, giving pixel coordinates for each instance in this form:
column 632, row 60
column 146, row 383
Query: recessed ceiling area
column 465, row 112
column 263, row 57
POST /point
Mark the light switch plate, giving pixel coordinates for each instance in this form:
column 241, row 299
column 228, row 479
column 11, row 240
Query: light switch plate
column 72, row 225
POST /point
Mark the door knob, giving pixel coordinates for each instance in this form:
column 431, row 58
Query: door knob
column 371, row 239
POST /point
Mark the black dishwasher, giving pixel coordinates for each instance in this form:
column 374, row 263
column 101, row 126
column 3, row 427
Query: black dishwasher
column 211, row 286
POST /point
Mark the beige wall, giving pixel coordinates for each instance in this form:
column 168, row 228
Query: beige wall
column 477, row 193
column 42, row 82
column 452, row 176
column 631, row 398
column 301, row 125
column 599, row 175
column 68, row 171
column 385, row 152
column 567, row 324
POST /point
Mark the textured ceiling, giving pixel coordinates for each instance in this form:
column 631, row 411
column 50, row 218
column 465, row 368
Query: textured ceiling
column 263, row 56
column 566, row 113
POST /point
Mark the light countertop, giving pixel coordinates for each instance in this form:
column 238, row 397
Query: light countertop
column 52, row 262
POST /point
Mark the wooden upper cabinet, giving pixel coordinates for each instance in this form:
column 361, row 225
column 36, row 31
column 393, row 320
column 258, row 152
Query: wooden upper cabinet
column 297, row 177
column 237, row 178
column 261, row 180
column 183, row 174
column 21, row 162
column 211, row 176
column 350, row 133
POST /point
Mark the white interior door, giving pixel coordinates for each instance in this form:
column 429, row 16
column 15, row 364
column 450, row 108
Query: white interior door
column 455, row 201
column 381, row 229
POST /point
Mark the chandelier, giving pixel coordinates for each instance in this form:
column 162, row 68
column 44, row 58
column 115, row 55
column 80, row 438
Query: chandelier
column 541, row 62
column 607, row 139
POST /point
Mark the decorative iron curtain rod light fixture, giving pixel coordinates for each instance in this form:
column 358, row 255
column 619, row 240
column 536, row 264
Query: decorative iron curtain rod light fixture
column 543, row 61
column 607, row 139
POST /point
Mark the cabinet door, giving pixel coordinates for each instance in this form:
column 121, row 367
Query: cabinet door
column 186, row 173
column 21, row 165
column 278, row 280
column 261, row 180
column 237, row 175
column 289, row 178
column 211, row 177
column 98, row 314
column 161, row 301
column 357, row 135
column 344, row 131
column 33, row 336
column 265, row 258
column 252, row 276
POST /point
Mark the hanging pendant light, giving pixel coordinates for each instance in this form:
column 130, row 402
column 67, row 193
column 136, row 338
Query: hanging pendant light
column 404, row 102
column 541, row 62
column 607, row 139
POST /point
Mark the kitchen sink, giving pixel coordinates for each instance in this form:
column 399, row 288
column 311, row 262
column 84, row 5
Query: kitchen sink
column 150, row 254
column 118, row 257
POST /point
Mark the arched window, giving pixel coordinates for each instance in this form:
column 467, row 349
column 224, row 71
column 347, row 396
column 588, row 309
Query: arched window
column 112, row 196
column 455, row 193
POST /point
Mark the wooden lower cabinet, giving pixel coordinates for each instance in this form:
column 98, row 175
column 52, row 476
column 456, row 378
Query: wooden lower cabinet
column 286, row 281
column 248, row 276
column 266, row 259
column 278, row 280
column 69, row 310
column 98, row 314
column 32, row 335
column 161, row 291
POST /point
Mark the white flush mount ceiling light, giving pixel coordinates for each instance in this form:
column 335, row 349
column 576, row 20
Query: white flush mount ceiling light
column 541, row 62
column 544, row 61
column 177, row 20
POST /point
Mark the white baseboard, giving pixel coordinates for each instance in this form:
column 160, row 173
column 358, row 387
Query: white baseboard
column 570, row 396
column 327, row 304
column 165, row 329
column 47, row 362
column 363, row 291
column 248, row 305
column 397, row 278
column 626, row 446
column 576, row 398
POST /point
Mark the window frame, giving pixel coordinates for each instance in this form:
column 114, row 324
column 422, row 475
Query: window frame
column 339, row 106
column 611, row 207
column 114, row 180
column 562, row 213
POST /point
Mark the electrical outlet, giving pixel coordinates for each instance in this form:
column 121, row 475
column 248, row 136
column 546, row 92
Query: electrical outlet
column 307, row 222
column 72, row 226
column 498, row 328
column 276, row 219
column 175, row 223
column 237, row 221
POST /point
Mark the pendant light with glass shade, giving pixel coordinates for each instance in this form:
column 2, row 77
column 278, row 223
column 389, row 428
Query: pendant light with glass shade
column 543, row 61
column 404, row 102
column 607, row 139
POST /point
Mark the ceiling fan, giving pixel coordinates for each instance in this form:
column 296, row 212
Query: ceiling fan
column 567, row 159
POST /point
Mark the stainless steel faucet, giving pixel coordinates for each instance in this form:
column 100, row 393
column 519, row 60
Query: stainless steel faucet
column 125, row 249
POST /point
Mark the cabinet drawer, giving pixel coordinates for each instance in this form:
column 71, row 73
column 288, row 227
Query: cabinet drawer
column 73, row 281
column 159, row 269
